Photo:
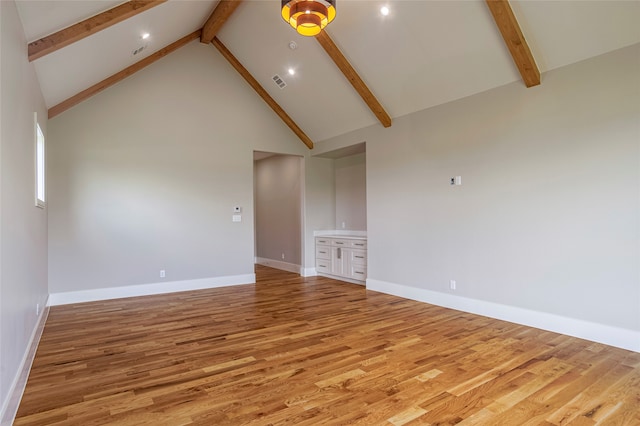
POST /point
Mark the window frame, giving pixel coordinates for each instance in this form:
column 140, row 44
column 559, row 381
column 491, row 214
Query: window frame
column 40, row 164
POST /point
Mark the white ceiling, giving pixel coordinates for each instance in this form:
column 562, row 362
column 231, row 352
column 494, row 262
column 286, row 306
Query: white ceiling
column 423, row 54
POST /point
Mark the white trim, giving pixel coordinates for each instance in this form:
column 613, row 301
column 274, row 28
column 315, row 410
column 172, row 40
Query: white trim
column 278, row 264
column 601, row 333
column 11, row 404
column 308, row 272
column 66, row 298
column 341, row 278
column 303, row 216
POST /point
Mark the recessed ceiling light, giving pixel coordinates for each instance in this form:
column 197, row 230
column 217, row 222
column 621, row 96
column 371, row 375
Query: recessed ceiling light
column 384, row 10
column 145, row 36
column 292, row 71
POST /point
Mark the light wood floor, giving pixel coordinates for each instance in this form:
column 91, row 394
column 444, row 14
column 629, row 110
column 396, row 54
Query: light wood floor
column 315, row 351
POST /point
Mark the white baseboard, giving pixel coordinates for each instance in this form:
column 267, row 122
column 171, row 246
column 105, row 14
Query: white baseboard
column 11, row 404
column 66, row 298
column 278, row 264
column 308, row 272
column 608, row 335
column 339, row 278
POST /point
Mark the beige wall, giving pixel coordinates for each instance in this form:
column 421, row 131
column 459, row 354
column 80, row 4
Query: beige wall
column 548, row 215
column 23, row 226
column 144, row 176
column 351, row 192
column 278, row 208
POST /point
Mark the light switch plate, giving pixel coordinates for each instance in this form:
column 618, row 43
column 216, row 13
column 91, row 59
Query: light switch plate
column 237, row 218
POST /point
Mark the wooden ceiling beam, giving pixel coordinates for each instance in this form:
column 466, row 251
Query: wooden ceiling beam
column 99, row 22
column 512, row 35
column 235, row 63
column 350, row 73
column 218, row 17
column 117, row 77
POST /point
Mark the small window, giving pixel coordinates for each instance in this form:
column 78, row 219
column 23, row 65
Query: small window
column 40, row 175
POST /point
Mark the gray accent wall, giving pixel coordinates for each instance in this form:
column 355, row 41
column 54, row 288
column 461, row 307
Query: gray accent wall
column 547, row 217
column 23, row 226
column 278, row 209
column 144, row 176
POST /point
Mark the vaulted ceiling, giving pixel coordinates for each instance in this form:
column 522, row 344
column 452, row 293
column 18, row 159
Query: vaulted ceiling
column 366, row 69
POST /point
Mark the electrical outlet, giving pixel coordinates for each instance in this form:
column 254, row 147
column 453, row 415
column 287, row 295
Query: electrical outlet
column 37, row 309
column 162, row 273
column 282, row 256
column 452, row 284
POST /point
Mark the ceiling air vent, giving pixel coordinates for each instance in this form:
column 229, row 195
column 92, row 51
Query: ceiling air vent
column 279, row 81
column 138, row 50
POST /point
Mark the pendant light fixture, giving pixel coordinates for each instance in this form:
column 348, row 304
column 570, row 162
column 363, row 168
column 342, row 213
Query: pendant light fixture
column 308, row 17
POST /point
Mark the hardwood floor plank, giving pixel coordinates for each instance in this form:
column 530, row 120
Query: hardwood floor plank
column 310, row 351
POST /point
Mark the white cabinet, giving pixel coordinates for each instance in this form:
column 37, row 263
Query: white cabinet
column 342, row 257
column 358, row 264
column 323, row 256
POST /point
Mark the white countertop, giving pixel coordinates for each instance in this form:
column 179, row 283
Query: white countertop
column 330, row 234
column 339, row 233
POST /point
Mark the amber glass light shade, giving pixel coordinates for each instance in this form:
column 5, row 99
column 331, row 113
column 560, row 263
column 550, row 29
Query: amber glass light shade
column 308, row 17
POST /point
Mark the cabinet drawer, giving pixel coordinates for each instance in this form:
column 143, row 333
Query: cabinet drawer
column 323, row 241
column 358, row 257
column 358, row 244
column 323, row 266
column 323, row 252
column 359, row 272
column 335, row 242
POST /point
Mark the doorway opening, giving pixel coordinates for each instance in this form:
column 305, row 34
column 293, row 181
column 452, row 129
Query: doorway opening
column 278, row 210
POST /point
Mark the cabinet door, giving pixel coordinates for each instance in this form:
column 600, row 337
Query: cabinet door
column 338, row 261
